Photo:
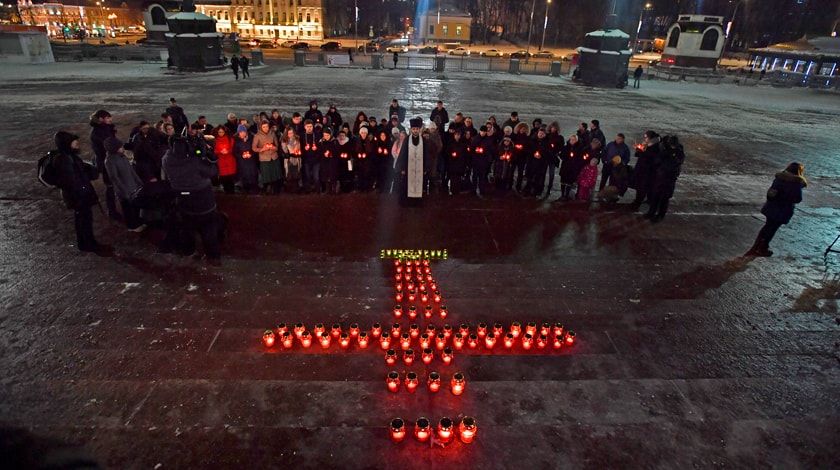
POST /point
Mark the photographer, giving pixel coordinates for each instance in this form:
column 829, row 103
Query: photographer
column 190, row 165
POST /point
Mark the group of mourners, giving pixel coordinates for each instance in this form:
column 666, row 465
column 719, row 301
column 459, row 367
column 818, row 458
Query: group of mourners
column 177, row 164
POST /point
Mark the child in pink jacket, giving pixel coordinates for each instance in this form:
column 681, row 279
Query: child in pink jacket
column 586, row 180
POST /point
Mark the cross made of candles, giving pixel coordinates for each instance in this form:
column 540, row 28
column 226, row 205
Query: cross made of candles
column 418, row 299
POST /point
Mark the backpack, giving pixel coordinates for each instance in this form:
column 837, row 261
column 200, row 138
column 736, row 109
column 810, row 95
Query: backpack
column 47, row 173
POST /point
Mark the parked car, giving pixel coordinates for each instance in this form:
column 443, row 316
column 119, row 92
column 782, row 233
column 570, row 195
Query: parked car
column 520, row 54
column 289, row 43
column 396, row 49
column 429, row 50
column 492, row 53
column 462, row 51
column 331, row 46
column 543, row 55
column 369, row 47
column 301, row 45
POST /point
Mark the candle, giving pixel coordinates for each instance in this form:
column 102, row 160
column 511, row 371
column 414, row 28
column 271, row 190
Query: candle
column 545, row 329
column 397, row 430
column 509, row 340
column 412, row 312
column 397, row 311
column 385, row 342
column 408, row 357
column 437, row 297
column 425, row 340
column 458, row 341
column 558, row 341
column 570, row 338
column 542, row 341
column 405, row 341
column 412, row 294
column 427, row 356
column 395, row 330
column 299, row 329
column 472, row 341
column 399, row 287
column 288, row 340
column 464, row 328
column 481, row 330
column 354, row 330
column 344, row 340
column 444, row 430
column 424, row 297
column 447, row 331
column 393, row 381
column 305, row 339
column 558, row 328
column 490, row 341
column 325, row 341
column 447, row 356
column 434, row 382
column 422, row 429
column 282, row 328
column 467, row 429
column 427, row 311
column 440, row 341
column 398, row 297
column 458, row 383
column 411, row 381
column 319, row 329
column 498, row 330
column 527, row 341
column 376, row 330
column 422, row 285
column 430, row 328
column 363, row 339
column 443, row 311
column 414, row 330
column 515, row 329
column 335, row 331
column 390, row 357
column 531, row 328
column 268, row 338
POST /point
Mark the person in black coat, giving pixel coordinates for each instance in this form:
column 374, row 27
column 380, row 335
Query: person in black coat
column 456, row 153
column 439, row 116
column 571, row 162
column 668, row 167
column 537, row 163
column 484, row 153
column 313, row 113
column 101, row 130
column 328, row 150
column 783, row 195
column 645, row 170
column 234, row 65
column 74, row 180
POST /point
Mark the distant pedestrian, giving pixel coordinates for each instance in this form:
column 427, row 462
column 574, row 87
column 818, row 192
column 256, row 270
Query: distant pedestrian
column 244, row 63
column 350, row 54
column 396, row 59
column 637, row 75
column 234, row 65
column 783, row 195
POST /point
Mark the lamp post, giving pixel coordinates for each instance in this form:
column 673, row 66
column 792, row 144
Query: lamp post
column 729, row 28
column 530, row 27
column 639, row 27
column 545, row 24
column 356, row 27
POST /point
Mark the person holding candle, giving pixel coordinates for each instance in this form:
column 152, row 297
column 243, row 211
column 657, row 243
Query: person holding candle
column 644, row 172
column 328, row 150
column 783, row 195
column 223, row 148
column 571, row 159
column 247, row 166
column 266, row 145
column 668, row 167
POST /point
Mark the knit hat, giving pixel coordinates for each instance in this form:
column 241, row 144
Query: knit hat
column 241, row 128
column 508, row 129
column 395, row 131
column 432, row 125
column 113, row 144
column 363, row 130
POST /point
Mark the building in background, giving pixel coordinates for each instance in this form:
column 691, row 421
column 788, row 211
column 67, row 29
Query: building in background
column 444, row 25
column 270, row 19
column 694, row 41
column 79, row 21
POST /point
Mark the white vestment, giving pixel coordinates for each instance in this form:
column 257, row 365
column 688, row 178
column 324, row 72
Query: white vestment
column 414, row 170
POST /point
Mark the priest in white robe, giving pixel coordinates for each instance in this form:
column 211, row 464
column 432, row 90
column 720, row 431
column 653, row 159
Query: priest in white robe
column 410, row 165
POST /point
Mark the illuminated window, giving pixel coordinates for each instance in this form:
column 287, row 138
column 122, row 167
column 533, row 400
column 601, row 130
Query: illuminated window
column 710, row 40
column 458, row 30
column 445, row 30
column 308, row 17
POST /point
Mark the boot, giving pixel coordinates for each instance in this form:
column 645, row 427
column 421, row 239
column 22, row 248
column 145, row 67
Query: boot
column 759, row 248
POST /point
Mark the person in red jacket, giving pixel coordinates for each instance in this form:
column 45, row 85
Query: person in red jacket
column 223, row 148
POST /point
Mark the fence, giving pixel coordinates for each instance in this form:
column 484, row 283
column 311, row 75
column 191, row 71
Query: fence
column 105, row 52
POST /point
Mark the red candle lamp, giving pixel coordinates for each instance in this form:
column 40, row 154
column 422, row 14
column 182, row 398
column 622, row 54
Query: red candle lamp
column 490, row 341
column 515, row 329
column 376, row 330
column 467, row 429
column 411, row 381
column 399, row 287
column 531, row 328
column 412, row 294
column 268, row 338
column 545, row 329
column 458, row 341
column 410, row 285
column 433, row 285
column 430, row 328
column 412, row 312
column 395, row 330
column 417, row 262
column 397, row 311
column 390, row 357
column 437, row 297
column 408, row 357
column 282, row 328
column 408, row 276
column 422, row 286
column 472, row 341
column 305, row 339
column 447, row 356
column 325, row 341
column 434, row 382
column 425, row 340
column 481, row 330
column 405, row 341
column 299, row 329
column 570, row 338
column 393, row 381
column 509, row 340
column 527, row 341
column 397, row 429
column 425, row 261
column 363, row 339
column 458, row 383
column 408, row 267
column 444, row 430
column 542, row 341
column 288, row 340
column 440, row 341
column 335, row 330
column 464, row 329
column 344, row 340
column 422, row 429
column 443, row 311
column 385, row 342
column 354, row 330
column 424, row 297
column 558, row 328
column 559, row 340
column 398, row 297
column 447, row 330
column 427, row 356
column 498, row 330
column 427, row 312
column 319, row 329
column 414, row 330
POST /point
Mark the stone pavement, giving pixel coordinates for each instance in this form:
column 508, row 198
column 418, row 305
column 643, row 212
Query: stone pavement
column 687, row 354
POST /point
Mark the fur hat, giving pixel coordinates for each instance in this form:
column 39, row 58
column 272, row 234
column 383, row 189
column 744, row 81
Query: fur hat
column 416, row 122
column 363, row 129
column 395, row 131
column 113, row 144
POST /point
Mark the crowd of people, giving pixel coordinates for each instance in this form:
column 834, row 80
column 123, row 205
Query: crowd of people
column 321, row 152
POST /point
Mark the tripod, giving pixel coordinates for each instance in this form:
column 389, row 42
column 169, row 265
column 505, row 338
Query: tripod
column 831, row 247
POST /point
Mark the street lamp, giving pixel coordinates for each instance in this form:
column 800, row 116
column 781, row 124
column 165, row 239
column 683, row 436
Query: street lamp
column 639, row 28
column 530, row 27
column 545, row 23
column 728, row 29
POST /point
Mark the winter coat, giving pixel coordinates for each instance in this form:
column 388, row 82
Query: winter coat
column 596, row 133
column 335, row 119
column 314, row 115
column 74, row 178
column 189, row 176
column 98, row 135
column 223, row 148
column 588, row 176
column 571, row 162
column 309, row 147
column 148, row 151
column 328, row 150
column 122, row 174
column 439, row 113
column 646, row 160
column 265, row 143
column 783, row 195
column 619, row 177
column 456, row 157
column 247, row 166
column 668, row 167
column 614, row 149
